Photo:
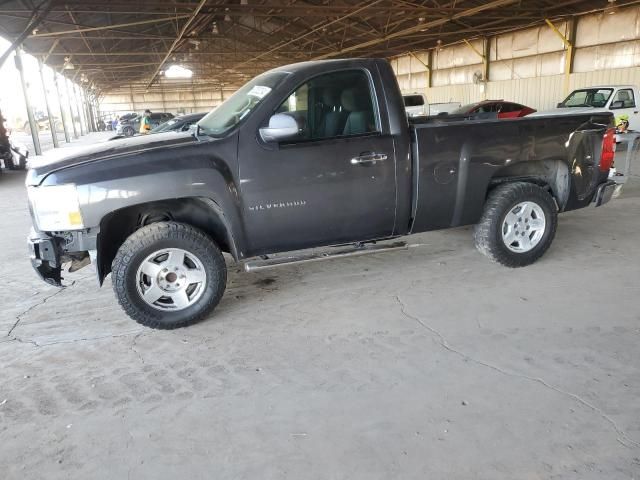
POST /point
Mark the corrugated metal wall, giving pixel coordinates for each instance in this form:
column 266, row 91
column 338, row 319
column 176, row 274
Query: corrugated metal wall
column 174, row 97
column 528, row 66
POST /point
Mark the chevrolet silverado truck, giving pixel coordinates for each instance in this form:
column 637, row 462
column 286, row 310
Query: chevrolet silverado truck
column 316, row 155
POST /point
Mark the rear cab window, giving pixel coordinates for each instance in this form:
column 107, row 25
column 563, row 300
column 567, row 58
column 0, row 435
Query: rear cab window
column 413, row 100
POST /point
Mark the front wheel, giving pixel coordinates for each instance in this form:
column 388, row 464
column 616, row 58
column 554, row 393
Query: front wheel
column 518, row 224
column 168, row 275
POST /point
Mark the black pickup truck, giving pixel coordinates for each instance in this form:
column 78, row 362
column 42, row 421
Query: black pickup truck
column 317, row 154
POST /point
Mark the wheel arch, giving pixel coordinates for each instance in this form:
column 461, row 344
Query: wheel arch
column 550, row 174
column 199, row 212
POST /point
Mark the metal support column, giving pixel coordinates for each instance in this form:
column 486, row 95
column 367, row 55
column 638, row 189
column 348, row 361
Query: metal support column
column 92, row 120
column 485, row 61
column 93, row 110
column 87, row 110
column 62, row 115
column 78, row 108
column 425, row 65
column 73, row 121
column 52, row 121
column 33, row 126
column 133, row 102
column 569, row 54
column 164, row 105
column 430, row 73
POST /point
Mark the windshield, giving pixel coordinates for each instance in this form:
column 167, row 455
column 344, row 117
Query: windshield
column 236, row 108
column 590, row 97
column 164, row 127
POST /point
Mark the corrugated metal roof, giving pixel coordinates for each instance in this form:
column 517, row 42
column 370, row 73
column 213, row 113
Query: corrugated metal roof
column 119, row 43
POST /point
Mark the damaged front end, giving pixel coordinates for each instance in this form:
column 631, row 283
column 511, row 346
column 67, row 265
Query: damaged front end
column 51, row 254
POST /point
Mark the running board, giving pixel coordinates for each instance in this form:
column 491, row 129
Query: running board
column 356, row 250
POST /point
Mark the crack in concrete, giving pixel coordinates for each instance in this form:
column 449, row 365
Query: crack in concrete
column 623, row 438
column 15, row 338
column 42, row 302
column 133, row 347
column 10, row 337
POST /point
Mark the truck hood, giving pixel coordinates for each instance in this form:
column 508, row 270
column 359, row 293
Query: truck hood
column 567, row 111
column 58, row 159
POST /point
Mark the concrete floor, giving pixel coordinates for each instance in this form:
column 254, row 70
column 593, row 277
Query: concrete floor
column 428, row 363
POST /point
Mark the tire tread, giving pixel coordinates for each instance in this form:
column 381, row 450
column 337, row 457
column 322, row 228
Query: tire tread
column 151, row 234
column 486, row 231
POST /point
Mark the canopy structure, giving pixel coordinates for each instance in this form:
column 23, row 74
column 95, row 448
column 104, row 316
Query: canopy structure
column 116, row 43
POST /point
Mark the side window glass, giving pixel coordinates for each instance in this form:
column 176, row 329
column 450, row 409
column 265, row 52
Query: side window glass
column 626, row 97
column 333, row 105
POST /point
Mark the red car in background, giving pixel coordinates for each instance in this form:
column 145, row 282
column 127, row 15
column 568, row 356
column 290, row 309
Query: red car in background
column 502, row 108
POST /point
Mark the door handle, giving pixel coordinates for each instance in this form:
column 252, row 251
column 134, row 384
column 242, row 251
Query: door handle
column 368, row 158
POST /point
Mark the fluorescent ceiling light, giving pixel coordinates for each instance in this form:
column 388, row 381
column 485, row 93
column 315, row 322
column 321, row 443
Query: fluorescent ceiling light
column 178, row 71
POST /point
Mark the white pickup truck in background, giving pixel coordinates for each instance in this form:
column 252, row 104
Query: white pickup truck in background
column 417, row 105
column 617, row 99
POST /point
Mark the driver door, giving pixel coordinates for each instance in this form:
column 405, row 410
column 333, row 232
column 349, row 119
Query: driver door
column 322, row 187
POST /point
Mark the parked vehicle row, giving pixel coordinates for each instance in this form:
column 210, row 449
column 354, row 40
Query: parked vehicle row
column 181, row 123
column 621, row 100
column 417, row 105
column 500, row 108
column 305, row 156
column 129, row 125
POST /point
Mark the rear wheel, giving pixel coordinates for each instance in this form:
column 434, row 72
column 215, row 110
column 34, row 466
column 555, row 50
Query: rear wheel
column 128, row 131
column 168, row 275
column 518, row 224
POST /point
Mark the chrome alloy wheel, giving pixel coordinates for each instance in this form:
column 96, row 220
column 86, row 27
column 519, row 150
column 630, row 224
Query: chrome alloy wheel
column 171, row 279
column 523, row 227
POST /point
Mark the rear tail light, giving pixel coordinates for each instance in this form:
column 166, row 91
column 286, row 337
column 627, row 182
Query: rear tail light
column 608, row 150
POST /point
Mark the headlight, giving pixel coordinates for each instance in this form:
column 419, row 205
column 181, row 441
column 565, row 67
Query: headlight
column 56, row 208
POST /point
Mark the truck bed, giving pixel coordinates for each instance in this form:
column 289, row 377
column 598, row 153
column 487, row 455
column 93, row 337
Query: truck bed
column 472, row 154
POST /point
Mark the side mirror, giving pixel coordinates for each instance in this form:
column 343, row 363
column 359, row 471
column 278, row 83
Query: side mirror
column 281, row 127
column 560, row 105
column 194, row 129
column 618, row 104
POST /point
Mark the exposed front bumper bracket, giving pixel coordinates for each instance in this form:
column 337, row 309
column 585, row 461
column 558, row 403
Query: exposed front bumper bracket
column 45, row 259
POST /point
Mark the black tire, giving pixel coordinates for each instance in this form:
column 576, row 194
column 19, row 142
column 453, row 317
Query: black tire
column 501, row 201
column 145, row 242
column 128, row 132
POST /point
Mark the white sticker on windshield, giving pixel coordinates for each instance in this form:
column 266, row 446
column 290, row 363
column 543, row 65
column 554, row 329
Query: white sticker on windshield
column 259, row 91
